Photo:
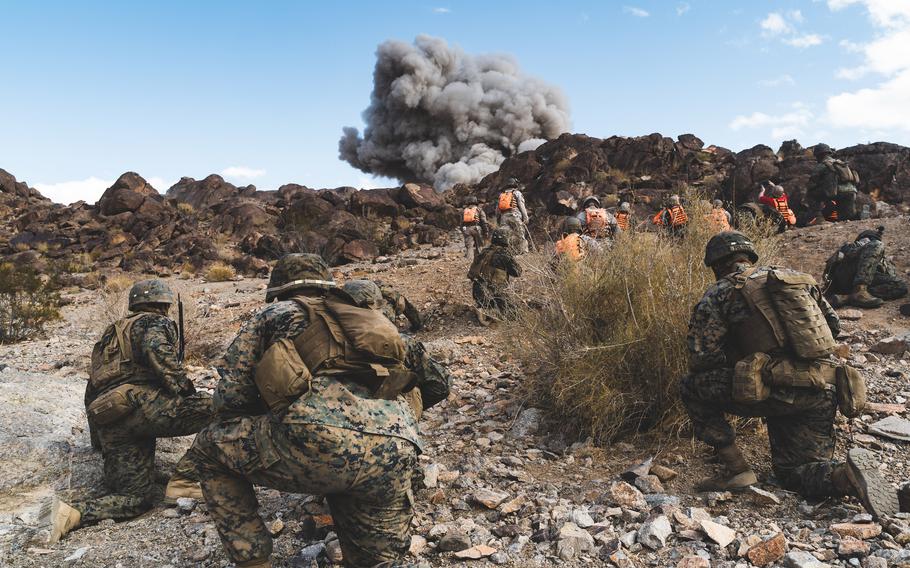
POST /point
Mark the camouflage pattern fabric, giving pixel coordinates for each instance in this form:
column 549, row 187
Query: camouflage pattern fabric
column 518, row 240
column 398, row 305
column 128, row 447
column 433, row 379
column 800, row 421
column 334, row 440
column 825, row 186
column 473, row 240
column 490, row 287
column 864, row 262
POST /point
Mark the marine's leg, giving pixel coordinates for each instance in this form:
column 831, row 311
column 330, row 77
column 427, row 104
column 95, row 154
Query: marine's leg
column 887, row 286
column 468, row 243
column 846, row 206
column 373, row 518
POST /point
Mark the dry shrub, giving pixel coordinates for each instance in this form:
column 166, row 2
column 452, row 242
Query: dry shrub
column 605, row 339
column 220, row 272
column 27, row 302
column 185, row 208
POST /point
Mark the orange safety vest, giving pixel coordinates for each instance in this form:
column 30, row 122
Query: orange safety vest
column 470, row 216
column 596, row 220
column 718, row 219
column 506, row 200
column 678, row 216
column 783, row 207
column 570, row 245
column 624, row 220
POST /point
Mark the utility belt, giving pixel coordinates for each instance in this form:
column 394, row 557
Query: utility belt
column 755, row 376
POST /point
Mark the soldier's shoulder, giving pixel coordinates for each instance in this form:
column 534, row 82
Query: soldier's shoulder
column 148, row 320
column 278, row 310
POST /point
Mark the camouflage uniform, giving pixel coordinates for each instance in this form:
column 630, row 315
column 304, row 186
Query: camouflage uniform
column 474, row 233
column 863, row 262
column 515, row 219
column 800, row 420
column 166, row 405
column 490, row 275
column 335, row 440
column 397, row 305
column 825, row 186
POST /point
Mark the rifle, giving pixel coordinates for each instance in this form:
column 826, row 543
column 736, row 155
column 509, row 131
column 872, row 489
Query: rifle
column 181, row 349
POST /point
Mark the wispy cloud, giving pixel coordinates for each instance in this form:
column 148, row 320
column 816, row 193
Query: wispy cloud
column 803, row 41
column 786, row 27
column 682, row 8
column 786, row 125
column 242, row 173
column 161, row 184
column 442, row 10
column 780, row 81
column 636, row 11
column 774, row 24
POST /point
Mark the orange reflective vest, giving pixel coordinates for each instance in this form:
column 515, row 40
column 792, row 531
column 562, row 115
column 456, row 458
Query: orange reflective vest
column 506, row 200
column 596, row 220
column 624, row 220
column 676, row 214
column 570, row 246
column 718, row 219
column 470, row 216
column 782, row 206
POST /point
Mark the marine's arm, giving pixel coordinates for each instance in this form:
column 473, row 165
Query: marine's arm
column 708, row 330
column 158, row 347
column 520, row 201
column 433, row 379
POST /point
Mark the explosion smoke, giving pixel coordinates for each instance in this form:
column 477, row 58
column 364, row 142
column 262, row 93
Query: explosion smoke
column 441, row 116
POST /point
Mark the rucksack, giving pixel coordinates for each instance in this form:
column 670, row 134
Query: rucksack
column 506, row 200
column 845, row 174
column 112, row 354
column 469, row 215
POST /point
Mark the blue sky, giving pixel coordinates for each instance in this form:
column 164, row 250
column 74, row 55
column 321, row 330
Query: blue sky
column 260, row 91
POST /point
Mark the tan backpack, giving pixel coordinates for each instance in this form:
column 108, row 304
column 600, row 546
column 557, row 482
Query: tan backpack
column 113, row 353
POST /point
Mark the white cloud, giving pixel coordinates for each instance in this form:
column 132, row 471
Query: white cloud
column 781, row 81
column 66, row 192
column 782, row 126
column 850, row 46
column 795, row 15
column 803, row 41
column 775, row 24
column 160, row 184
column 441, row 10
column 635, row 11
column 242, row 173
column 881, row 107
column 682, row 8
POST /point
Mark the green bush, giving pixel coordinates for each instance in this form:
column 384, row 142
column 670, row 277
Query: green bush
column 27, row 302
column 604, row 340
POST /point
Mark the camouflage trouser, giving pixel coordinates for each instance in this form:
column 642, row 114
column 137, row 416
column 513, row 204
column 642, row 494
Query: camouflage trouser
column 473, row 240
column 800, row 427
column 128, row 447
column 518, row 240
column 869, row 268
column 366, row 479
column 488, row 297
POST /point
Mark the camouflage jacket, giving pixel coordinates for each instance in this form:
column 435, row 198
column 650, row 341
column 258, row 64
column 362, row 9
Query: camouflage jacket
column 718, row 312
column 824, row 181
column 433, row 380
column 154, row 358
column 494, row 265
column 330, row 402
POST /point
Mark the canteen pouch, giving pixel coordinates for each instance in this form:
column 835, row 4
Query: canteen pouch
column 110, row 407
column 748, row 382
column 851, row 391
column 281, row 376
column 802, row 374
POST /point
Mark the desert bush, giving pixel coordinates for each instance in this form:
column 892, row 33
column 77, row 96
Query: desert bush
column 27, row 303
column 605, row 338
column 220, row 272
column 185, row 208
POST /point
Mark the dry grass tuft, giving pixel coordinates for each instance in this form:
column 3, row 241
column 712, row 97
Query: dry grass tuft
column 220, row 272
column 606, row 338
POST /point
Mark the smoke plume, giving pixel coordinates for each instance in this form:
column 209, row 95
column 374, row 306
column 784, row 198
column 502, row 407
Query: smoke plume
column 438, row 115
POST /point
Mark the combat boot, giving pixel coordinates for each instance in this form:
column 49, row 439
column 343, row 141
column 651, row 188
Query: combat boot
column 179, row 487
column 61, row 517
column 860, row 478
column 739, row 474
column 838, row 300
column 861, row 298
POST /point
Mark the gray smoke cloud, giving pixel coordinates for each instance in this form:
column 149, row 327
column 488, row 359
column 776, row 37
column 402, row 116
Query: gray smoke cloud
column 441, row 116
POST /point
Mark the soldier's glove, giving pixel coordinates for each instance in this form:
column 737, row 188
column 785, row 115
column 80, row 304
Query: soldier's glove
column 186, row 388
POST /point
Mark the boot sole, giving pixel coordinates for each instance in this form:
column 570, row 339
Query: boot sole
column 876, row 494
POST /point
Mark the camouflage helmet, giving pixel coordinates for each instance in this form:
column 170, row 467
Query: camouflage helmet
column 822, row 150
column 470, row 200
column 718, row 203
column 511, row 182
column 298, row 271
column 870, row 234
column 147, row 292
column 673, row 199
column 571, row 225
column 625, row 207
column 589, row 200
column 500, row 237
column 365, row 292
column 726, row 243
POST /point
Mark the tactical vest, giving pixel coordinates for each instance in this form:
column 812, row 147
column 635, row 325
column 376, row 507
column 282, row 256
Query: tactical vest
column 624, row 220
column 469, row 217
column 570, row 246
column 596, row 221
column 507, row 200
column 784, row 319
column 782, row 205
column 718, row 220
column 112, row 355
column 343, row 341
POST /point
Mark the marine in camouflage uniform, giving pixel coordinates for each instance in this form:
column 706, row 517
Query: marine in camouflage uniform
column 433, row 380
column 397, row 304
column 800, row 420
column 490, row 273
column 860, row 274
column 474, row 231
column 165, row 404
column 334, row 440
column 515, row 219
column 825, row 185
